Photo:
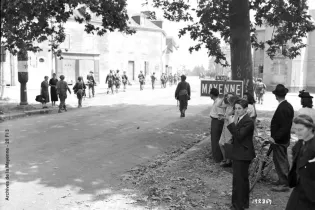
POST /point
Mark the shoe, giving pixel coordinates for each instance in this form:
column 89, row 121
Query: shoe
column 280, row 188
column 222, row 162
column 59, row 111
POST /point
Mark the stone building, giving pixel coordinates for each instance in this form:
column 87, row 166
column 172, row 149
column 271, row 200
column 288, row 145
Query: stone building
column 296, row 74
column 148, row 50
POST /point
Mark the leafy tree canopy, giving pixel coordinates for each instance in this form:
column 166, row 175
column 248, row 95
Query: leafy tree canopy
column 25, row 22
column 289, row 19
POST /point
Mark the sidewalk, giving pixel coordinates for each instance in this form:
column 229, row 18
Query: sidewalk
column 10, row 108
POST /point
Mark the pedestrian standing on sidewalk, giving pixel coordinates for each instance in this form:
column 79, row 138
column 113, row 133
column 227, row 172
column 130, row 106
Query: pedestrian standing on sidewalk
column 182, row 94
column 44, row 91
column 110, row 81
column 216, row 124
column 124, row 80
column 79, row 89
column 141, row 80
column 53, row 90
column 153, row 78
column 280, row 128
column 226, row 136
column 302, row 174
column 241, row 127
column 62, row 87
column 307, row 104
column 91, row 83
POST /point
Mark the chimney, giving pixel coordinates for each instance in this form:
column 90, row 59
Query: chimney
column 137, row 19
column 158, row 23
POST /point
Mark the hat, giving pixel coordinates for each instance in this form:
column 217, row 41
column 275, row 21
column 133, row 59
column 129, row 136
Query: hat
column 259, row 79
column 214, row 91
column 91, row 72
column 304, row 94
column 183, row 77
column 280, row 90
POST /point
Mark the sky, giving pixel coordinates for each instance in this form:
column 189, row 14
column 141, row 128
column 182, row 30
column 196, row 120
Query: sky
column 172, row 29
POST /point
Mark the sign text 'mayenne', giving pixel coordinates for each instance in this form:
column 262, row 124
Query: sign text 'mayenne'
column 223, row 87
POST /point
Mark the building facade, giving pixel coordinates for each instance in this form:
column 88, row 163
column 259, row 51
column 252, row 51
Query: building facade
column 147, row 50
column 296, row 74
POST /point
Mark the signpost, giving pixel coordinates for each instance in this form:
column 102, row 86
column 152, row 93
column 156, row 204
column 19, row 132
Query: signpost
column 228, row 86
column 221, row 77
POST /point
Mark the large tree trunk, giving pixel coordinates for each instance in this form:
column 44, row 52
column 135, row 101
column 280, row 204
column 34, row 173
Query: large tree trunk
column 23, row 75
column 241, row 56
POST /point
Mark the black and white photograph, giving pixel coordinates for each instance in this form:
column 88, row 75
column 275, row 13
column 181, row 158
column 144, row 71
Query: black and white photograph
column 157, row 105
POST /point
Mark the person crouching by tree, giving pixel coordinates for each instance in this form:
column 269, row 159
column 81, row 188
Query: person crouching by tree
column 110, row 81
column 117, row 80
column 153, row 78
column 182, row 94
column 62, row 87
column 217, row 123
column 44, row 91
column 260, row 89
column 79, row 89
column 141, row 80
column 124, row 80
column 242, row 153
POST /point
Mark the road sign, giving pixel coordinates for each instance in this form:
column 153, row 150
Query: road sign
column 233, row 86
column 221, row 77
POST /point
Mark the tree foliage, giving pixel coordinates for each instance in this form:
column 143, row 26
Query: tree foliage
column 289, row 19
column 23, row 23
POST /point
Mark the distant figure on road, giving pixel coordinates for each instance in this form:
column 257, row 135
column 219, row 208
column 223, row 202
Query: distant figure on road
column 217, row 123
column 124, row 80
column 44, row 91
column 260, row 89
column 141, row 80
column 175, row 79
column 53, row 90
column 91, row 83
column 170, row 79
column 79, row 89
column 182, row 94
column 162, row 80
column 117, row 80
column 62, row 87
column 307, row 104
column 153, row 78
column 110, row 81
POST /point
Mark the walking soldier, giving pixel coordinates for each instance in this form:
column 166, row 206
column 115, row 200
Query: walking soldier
column 124, row 80
column 110, row 81
column 62, row 87
column 153, row 78
column 141, row 80
column 91, row 83
column 117, row 80
column 79, row 89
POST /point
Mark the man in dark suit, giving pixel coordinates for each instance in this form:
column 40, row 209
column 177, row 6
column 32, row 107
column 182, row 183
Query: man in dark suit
column 281, row 124
column 242, row 153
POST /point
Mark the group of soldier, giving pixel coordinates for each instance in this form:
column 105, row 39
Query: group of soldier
column 171, row 79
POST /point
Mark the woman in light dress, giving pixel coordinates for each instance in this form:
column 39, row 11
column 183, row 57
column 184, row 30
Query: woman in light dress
column 226, row 136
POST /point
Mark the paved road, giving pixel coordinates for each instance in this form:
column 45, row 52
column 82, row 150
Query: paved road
column 63, row 161
column 60, row 160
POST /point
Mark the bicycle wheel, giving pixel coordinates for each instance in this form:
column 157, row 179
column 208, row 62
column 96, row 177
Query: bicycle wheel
column 255, row 172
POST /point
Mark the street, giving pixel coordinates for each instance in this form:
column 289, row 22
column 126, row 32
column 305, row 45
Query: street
column 62, row 161
column 83, row 152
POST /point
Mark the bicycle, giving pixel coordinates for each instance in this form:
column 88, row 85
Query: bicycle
column 262, row 163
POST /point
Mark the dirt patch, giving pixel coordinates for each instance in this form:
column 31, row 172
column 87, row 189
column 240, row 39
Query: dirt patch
column 195, row 181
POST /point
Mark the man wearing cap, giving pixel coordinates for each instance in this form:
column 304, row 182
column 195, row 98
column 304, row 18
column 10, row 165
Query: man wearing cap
column 281, row 124
column 307, row 104
column 91, row 83
column 62, row 87
column 216, row 124
column 182, row 94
